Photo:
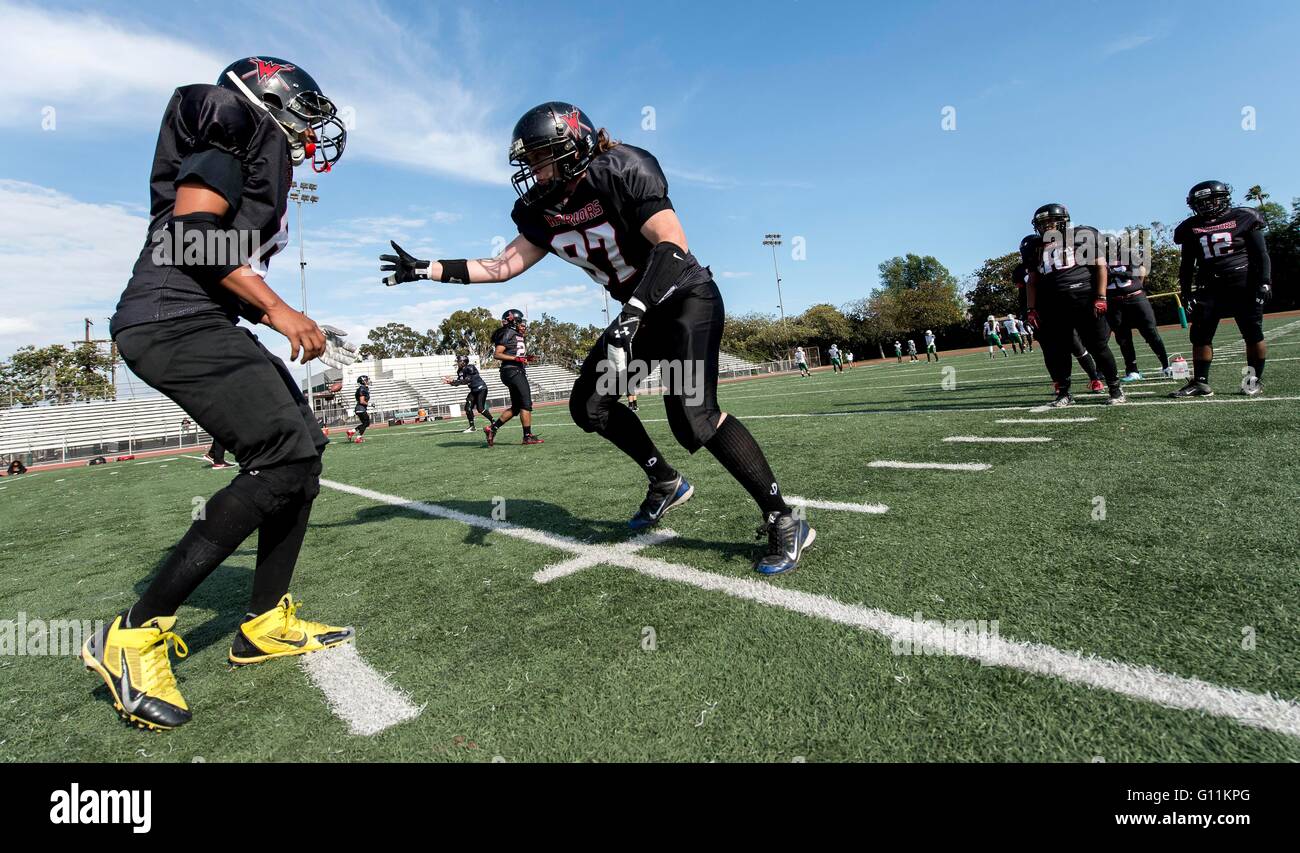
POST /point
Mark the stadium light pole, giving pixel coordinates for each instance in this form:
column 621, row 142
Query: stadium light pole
column 300, row 194
column 774, row 240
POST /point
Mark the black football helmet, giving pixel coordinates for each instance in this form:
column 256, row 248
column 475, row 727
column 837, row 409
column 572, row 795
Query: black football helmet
column 1051, row 217
column 1210, row 198
column 363, row 380
column 296, row 102
column 553, row 134
column 462, row 361
column 514, row 317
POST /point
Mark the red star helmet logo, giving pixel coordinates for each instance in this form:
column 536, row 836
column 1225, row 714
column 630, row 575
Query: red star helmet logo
column 573, row 120
column 266, row 70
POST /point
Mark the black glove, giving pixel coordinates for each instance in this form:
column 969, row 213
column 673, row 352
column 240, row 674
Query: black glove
column 618, row 338
column 1264, row 293
column 404, row 266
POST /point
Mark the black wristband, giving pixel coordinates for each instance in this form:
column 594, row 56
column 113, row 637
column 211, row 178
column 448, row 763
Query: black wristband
column 455, row 271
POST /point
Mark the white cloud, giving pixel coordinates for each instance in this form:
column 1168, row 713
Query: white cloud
column 731, row 274
column 61, row 259
column 1120, row 45
column 89, row 68
column 413, row 108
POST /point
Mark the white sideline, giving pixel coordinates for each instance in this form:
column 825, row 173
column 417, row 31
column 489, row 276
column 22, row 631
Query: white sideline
column 870, row 509
column 357, row 694
column 930, row 466
column 997, row 439
column 1137, row 682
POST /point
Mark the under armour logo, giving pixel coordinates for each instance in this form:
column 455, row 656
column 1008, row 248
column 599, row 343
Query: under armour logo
column 654, row 460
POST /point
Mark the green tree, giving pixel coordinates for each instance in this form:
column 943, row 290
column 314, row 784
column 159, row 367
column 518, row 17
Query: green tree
column 991, row 289
column 560, row 343
column 1256, row 194
column 396, row 340
column 468, row 332
column 920, row 293
column 57, row 373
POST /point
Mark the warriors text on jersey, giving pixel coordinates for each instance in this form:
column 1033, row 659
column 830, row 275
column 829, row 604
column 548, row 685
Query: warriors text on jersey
column 598, row 227
column 1219, row 244
column 214, row 137
column 1063, row 264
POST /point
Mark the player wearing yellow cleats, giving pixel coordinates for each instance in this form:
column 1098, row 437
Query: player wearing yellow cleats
column 137, row 669
column 279, row 632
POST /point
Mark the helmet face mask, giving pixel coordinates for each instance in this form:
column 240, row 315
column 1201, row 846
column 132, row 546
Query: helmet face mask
column 514, row 317
column 364, row 380
column 309, row 119
column 552, row 145
column 1210, row 198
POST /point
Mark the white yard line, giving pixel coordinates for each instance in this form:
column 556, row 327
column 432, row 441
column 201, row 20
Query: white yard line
column 869, row 509
column 1136, row 682
column 997, row 439
column 356, row 693
column 1044, row 420
column 930, row 466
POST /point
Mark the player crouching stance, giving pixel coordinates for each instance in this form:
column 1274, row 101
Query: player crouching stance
column 223, row 164
column 604, row 206
column 1223, row 252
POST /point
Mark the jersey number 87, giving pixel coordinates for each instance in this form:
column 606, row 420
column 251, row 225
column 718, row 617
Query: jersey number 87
column 588, row 248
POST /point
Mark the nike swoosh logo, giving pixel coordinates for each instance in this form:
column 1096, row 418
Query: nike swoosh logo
column 297, row 644
column 678, row 257
column 660, row 511
column 130, row 699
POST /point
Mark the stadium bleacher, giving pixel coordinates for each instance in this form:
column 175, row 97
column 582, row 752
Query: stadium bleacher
column 48, row 434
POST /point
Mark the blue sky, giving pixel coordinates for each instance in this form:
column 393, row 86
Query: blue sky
column 818, row 120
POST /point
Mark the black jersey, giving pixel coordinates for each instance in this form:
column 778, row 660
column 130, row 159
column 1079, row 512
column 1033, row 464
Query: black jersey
column 1064, row 265
column 1124, row 280
column 598, row 227
column 363, row 397
column 469, row 375
column 1218, row 244
column 515, row 344
column 217, row 138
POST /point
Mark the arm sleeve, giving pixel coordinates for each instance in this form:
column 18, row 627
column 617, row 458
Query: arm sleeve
column 1261, row 268
column 529, row 228
column 218, row 170
column 1187, row 269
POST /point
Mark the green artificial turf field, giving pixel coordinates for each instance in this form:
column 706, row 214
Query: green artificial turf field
column 1137, row 574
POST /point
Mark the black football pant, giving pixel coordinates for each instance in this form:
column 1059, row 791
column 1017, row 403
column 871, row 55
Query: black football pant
column 246, row 399
column 1063, row 316
column 364, row 417
column 476, row 401
column 1125, row 315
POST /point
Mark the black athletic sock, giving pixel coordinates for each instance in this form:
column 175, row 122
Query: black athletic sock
column 207, row 543
column 626, row 432
column 736, row 449
column 1201, row 371
column 496, row 425
column 279, row 540
column 1089, row 366
column 470, row 416
column 1257, row 365
column 528, row 430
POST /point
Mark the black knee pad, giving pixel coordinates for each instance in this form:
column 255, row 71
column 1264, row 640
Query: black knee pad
column 693, row 426
column 270, row 490
column 591, row 414
column 1202, row 333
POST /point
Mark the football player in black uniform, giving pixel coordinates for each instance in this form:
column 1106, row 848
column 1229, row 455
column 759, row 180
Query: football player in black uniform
column 362, row 410
column 604, row 206
column 1065, row 292
column 510, row 347
column 476, row 398
column 222, row 167
column 1127, row 309
column 1020, row 275
column 1225, row 272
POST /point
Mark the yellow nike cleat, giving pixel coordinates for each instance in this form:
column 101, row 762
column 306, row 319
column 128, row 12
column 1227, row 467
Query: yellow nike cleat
column 279, row 633
column 137, row 669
